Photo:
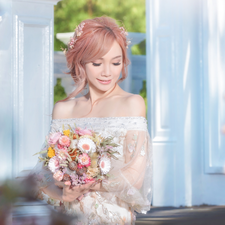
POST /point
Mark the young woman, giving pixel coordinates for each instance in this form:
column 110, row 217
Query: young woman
column 96, row 57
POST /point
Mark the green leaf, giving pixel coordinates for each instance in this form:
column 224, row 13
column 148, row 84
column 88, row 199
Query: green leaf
column 41, row 152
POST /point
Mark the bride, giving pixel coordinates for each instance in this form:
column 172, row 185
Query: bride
column 96, row 56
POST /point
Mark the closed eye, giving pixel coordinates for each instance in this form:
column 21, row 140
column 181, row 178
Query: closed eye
column 96, row 64
column 116, row 64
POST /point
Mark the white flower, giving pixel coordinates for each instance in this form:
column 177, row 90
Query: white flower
column 86, row 145
column 53, row 164
column 105, row 164
column 73, row 143
column 131, row 191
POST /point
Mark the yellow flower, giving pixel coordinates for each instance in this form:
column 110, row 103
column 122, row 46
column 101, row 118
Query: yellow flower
column 51, row 152
column 66, row 132
column 94, row 163
column 87, row 136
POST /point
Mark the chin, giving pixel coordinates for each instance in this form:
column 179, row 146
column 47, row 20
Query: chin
column 104, row 89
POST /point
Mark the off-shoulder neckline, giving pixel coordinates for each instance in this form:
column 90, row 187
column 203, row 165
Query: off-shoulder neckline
column 110, row 117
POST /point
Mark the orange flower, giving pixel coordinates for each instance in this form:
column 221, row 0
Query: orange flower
column 73, row 154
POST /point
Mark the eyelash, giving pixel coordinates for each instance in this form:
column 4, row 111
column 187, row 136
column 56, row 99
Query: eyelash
column 99, row 64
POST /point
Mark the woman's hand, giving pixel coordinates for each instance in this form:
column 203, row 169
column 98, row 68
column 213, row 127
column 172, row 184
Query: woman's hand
column 70, row 194
column 59, row 184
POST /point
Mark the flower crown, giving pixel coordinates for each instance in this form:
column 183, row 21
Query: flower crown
column 124, row 32
column 79, row 31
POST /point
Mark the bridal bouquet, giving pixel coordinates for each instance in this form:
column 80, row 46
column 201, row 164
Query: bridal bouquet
column 78, row 155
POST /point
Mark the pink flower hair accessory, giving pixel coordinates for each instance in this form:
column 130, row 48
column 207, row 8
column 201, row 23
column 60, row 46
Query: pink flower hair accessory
column 125, row 33
column 78, row 32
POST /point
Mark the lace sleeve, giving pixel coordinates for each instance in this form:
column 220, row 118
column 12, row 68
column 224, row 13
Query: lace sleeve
column 132, row 181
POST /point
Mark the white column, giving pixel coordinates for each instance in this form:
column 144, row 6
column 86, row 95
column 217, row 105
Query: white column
column 213, row 92
column 185, row 85
column 27, row 80
column 173, row 98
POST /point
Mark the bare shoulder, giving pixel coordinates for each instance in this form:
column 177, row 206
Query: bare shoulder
column 62, row 110
column 135, row 105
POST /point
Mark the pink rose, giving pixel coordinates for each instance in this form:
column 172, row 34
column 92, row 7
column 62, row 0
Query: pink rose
column 58, row 175
column 77, row 130
column 84, row 159
column 53, row 164
column 53, row 138
column 64, row 140
column 88, row 180
column 84, row 132
column 59, row 146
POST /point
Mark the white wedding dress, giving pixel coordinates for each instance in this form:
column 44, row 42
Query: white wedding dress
column 129, row 187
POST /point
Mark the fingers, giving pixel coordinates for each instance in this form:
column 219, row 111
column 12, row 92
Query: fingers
column 80, row 197
column 88, row 185
column 59, row 184
column 67, row 183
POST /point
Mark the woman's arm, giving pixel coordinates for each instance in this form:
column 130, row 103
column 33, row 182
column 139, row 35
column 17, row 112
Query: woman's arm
column 98, row 187
column 53, row 192
column 67, row 193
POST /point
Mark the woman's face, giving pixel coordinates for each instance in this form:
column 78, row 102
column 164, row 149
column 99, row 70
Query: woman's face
column 103, row 73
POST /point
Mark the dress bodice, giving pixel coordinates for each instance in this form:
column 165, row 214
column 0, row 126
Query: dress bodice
column 101, row 123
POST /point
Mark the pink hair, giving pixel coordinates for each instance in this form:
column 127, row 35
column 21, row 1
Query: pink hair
column 95, row 41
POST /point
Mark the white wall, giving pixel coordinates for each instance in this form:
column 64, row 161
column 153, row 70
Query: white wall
column 185, row 80
column 26, row 79
column 6, row 88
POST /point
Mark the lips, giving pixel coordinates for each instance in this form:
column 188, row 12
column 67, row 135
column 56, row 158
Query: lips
column 104, row 81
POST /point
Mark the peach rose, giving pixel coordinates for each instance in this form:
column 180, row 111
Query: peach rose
column 53, row 138
column 64, row 140
column 62, row 154
column 58, row 175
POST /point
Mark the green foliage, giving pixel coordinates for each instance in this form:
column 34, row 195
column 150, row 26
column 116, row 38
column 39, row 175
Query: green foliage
column 69, row 13
column 59, row 92
column 143, row 93
column 139, row 49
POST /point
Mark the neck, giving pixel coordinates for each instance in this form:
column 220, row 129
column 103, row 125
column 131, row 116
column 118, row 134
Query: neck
column 94, row 94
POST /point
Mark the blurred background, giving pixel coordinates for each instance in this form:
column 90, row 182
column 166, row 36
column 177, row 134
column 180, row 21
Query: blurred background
column 177, row 55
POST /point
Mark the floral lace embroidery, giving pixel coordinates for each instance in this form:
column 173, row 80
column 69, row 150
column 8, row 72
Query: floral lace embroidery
column 133, row 144
column 143, row 149
column 114, row 184
column 100, row 123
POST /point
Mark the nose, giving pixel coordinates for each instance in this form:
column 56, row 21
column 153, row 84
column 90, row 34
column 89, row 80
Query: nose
column 106, row 71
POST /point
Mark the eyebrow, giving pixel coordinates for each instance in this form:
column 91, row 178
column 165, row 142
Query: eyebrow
column 114, row 57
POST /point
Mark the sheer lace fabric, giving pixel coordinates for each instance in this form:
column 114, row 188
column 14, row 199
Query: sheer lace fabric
column 129, row 187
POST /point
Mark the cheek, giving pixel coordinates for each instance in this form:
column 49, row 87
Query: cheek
column 118, row 70
column 91, row 72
